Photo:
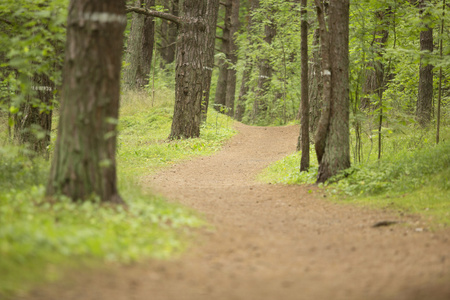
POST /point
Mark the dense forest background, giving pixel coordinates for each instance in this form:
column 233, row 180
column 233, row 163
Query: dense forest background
column 181, row 71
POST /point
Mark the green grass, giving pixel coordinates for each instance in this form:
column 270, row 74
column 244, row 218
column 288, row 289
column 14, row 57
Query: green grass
column 413, row 176
column 39, row 239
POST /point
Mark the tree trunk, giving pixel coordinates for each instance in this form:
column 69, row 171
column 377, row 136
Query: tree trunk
column 240, row 107
column 315, row 85
column 33, row 123
column 84, row 162
column 374, row 83
column 222, row 80
column 189, row 73
column 304, row 163
column 212, row 13
column 337, row 147
column 169, row 31
column 232, row 56
column 425, row 98
column 265, row 76
column 140, row 48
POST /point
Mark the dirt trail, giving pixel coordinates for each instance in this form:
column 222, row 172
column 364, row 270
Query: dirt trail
column 274, row 242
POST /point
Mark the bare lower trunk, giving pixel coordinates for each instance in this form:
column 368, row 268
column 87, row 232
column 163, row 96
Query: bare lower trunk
column 84, row 163
column 189, row 78
column 211, row 20
column 336, row 156
column 139, row 48
column 304, row 163
column 425, row 98
column 33, row 124
column 232, row 56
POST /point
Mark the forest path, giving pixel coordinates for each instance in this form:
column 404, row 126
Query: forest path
column 274, row 242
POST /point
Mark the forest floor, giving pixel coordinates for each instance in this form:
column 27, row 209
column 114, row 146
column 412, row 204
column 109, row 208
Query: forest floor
column 273, row 241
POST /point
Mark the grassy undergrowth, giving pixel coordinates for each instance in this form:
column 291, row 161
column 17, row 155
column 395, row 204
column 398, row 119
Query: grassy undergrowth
column 413, row 176
column 40, row 239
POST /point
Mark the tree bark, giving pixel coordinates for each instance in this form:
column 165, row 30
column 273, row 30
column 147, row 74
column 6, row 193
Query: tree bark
column 220, row 97
column 189, row 78
column 212, row 13
column 33, row 123
column 304, row 162
column 374, row 83
column 169, row 31
column 425, row 98
column 322, row 126
column 140, row 48
column 265, row 76
column 84, row 162
column 240, row 107
column 232, row 56
column 336, row 156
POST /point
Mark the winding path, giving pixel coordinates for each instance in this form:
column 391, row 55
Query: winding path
column 274, row 242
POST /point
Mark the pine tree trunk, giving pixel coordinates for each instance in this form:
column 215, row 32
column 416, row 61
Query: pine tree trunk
column 139, row 48
column 265, row 76
column 304, row 163
column 220, row 97
column 191, row 42
column 315, row 85
column 337, row 147
column 211, row 20
column 374, row 83
column 84, row 162
column 169, row 31
column 425, row 98
column 232, row 56
column 33, row 124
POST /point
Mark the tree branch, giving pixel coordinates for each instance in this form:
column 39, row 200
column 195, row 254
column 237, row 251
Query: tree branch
column 6, row 21
column 155, row 13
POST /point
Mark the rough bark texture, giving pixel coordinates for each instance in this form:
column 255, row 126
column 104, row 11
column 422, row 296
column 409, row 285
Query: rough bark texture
column 240, row 107
column 322, row 126
column 212, row 13
column 189, row 71
column 337, row 146
column 265, row 75
column 374, row 83
column 425, row 99
column 84, row 162
column 315, row 85
column 169, row 31
column 220, row 97
column 33, row 123
column 139, row 48
column 304, row 131
column 232, row 56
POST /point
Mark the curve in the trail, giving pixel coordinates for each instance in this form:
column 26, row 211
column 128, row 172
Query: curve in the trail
column 274, row 242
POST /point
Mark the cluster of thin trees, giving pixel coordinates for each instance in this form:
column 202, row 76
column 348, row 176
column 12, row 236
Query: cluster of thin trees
column 84, row 162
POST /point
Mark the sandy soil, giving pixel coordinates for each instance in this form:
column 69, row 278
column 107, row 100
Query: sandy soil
column 273, row 241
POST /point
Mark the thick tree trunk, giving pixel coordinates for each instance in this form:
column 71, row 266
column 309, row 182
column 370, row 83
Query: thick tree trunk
column 324, row 121
column 84, row 162
column 425, row 98
column 140, row 48
column 212, row 13
column 191, row 43
column 232, row 56
column 169, row 31
column 337, row 147
column 33, row 123
column 220, row 97
column 304, row 131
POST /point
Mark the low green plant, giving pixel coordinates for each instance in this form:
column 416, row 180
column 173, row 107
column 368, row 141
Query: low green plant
column 39, row 238
column 413, row 175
